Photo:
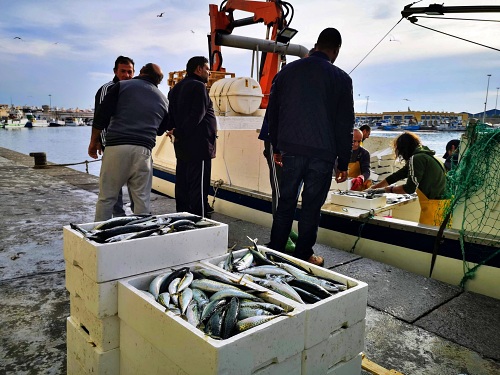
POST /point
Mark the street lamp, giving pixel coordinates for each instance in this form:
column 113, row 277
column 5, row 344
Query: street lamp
column 496, row 102
column 50, row 101
column 366, row 109
column 486, row 101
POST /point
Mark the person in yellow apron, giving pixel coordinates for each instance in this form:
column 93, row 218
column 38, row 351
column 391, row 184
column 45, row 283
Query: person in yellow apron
column 359, row 166
column 424, row 174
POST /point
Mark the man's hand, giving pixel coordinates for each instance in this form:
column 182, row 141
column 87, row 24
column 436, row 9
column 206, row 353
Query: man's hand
column 95, row 149
column 357, row 183
column 278, row 159
column 340, row 176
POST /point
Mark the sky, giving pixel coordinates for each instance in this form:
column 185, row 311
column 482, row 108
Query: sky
column 60, row 52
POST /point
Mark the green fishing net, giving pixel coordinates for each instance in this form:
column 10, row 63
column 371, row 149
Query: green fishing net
column 473, row 187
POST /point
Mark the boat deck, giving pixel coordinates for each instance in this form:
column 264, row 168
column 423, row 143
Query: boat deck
column 415, row 325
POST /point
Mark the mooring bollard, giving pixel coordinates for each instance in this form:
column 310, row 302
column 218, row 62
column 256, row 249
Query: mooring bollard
column 40, row 159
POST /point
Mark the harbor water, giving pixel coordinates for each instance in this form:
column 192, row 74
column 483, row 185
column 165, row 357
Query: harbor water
column 68, row 145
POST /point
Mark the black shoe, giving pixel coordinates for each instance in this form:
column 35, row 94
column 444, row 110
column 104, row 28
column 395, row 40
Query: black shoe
column 209, row 210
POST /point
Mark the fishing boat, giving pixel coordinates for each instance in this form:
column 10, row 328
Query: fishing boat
column 384, row 229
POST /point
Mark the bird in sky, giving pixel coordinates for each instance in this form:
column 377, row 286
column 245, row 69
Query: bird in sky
column 17, row 37
column 160, row 15
column 408, row 100
column 192, row 31
column 392, row 38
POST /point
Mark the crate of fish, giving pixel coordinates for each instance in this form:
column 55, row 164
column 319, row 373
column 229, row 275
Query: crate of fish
column 331, row 300
column 131, row 245
column 229, row 328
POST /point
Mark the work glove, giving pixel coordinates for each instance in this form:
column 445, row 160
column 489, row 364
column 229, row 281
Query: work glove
column 357, row 183
column 375, row 191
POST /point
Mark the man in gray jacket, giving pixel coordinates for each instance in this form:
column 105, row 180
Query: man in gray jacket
column 134, row 113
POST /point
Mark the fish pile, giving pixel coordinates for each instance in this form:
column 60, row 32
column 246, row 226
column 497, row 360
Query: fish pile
column 140, row 226
column 212, row 301
column 281, row 275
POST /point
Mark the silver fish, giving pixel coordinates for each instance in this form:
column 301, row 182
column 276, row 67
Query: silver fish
column 164, row 299
column 193, row 314
column 281, row 288
column 173, row 286
column 185, row 298
column 185, row 282
column 230, row 318
column 271, row 307
column 228, row 293
column 211, row 286
column 263, row 271
column 201, row 298
column 247, row 312
column 254, row 321
column 156, row 284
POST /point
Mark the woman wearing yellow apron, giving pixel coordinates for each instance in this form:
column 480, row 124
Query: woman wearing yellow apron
column 424, row 173
column 359, row 165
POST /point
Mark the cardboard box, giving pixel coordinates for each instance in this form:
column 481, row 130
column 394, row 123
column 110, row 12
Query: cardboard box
column 81, row 352
column 105, row 262
column 246, row 353
column 323, row 318
column 103, row 333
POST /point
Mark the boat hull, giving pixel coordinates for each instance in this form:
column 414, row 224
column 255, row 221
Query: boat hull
column 241, row 189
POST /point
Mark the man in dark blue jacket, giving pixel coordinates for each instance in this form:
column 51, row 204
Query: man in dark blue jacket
column 311, row 117
column 194, row 127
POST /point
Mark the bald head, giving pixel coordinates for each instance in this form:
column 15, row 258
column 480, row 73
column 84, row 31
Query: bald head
column 152, row 71
column 357, row 138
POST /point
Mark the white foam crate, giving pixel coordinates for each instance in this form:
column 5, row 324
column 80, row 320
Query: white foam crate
column 90, row 358
column 101, row 299
column 357, row 201
column 249, row 352
column 73, row 367
column 343, row 309
column 103, row 333
column 341, row 346
column 351, row 367
column 105, row 262
column 138, row 356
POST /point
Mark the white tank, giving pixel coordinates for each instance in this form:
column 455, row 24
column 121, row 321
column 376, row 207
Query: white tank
column 236, row 96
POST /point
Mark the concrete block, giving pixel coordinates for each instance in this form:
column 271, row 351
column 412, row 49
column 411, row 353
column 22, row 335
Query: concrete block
column 341, row 346
column 105, row 262
column 250, row 352
column 104, row 333
column 342, row 310
column 93, row 360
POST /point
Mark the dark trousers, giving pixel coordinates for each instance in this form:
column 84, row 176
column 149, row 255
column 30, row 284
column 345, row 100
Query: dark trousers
column 118, row 209
column 274, row 174
column 316, row 175
column 192, row 181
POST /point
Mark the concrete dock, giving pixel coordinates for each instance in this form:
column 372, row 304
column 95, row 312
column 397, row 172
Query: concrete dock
column 415, row 325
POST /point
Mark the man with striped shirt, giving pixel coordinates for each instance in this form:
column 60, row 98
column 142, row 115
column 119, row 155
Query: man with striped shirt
column 124, row 70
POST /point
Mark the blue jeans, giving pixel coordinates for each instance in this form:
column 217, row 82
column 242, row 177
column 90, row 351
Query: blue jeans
column 316, row 175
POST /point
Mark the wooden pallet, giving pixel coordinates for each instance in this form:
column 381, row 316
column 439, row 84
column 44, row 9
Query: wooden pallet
column 177, row 76
column 375, row 369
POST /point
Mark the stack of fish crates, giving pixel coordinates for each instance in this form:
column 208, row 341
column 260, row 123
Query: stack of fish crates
column 326, row 337
column 93, row 271
column 334, row 327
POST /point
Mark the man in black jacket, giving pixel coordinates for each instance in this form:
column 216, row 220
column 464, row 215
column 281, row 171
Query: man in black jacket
column 311, row 117
column 194, row 127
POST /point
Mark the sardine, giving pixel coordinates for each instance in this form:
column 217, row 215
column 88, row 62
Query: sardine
column 185, row 298
column 164, row 299
column 310, row 287
column 229, row 293
column 280, row 288
column 271, row 307
column 173, row 286
column 103, row 235
column 155, row 287
column 247, row 312
column 263, row 271
column 211, row 307
column 306, row 296
column 248, row 323
column 193, row 314
column 185, row 282
column 201, row 298
column 230, row 318
column 117, row 221
column 244, row 262
column 211, row 286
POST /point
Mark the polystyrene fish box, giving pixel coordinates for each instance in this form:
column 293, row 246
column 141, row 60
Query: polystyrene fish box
column 138, row 356
column 351, row 367
column 341, row 346
column 99, row 299
column 89, row 357
column 105, row 262
column 323, row 318
column 103, row 333
column 196, row 353
column 357, row 201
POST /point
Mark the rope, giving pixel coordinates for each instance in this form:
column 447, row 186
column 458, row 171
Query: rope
column 217, row 184
column 360, row 229
column 86, row 162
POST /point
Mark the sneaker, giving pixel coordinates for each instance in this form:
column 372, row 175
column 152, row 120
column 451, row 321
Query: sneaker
column 316, row 260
